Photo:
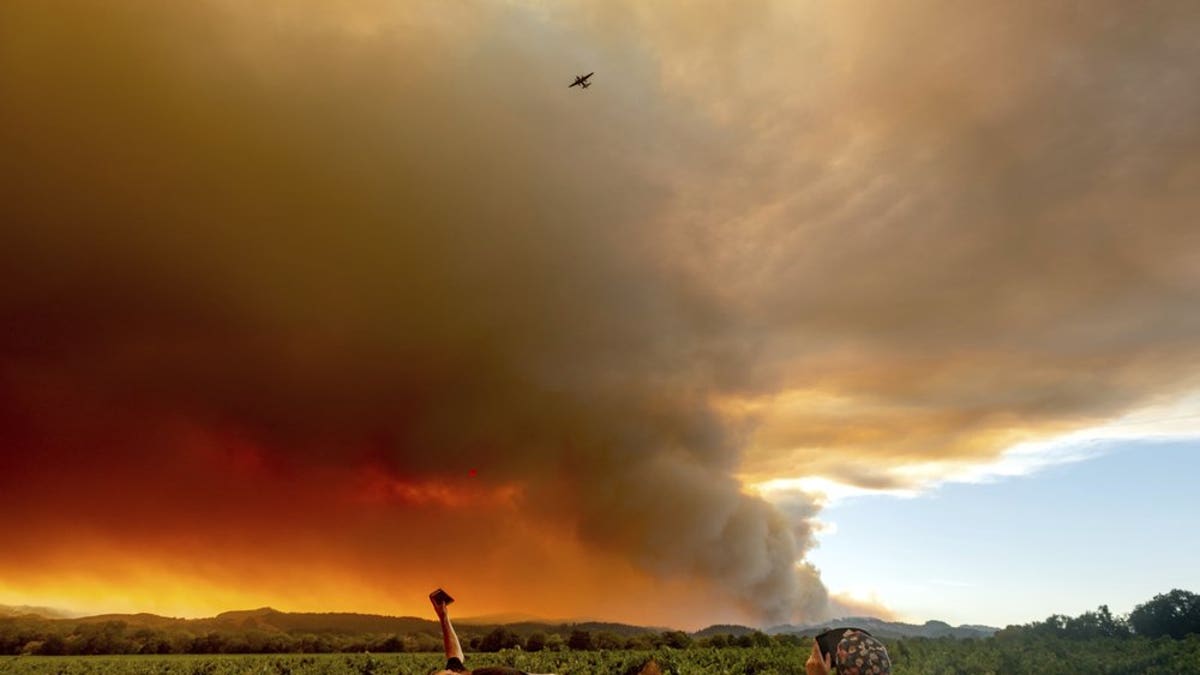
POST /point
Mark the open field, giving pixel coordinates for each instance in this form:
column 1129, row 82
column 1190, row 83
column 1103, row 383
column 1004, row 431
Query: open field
column 910, row 657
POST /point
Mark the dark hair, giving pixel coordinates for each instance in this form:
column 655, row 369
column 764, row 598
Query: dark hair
column 452, row 664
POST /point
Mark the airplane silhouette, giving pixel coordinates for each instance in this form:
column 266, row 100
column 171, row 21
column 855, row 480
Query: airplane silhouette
column 581, row 80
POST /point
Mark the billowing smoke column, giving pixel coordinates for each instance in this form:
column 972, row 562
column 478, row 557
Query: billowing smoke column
column 323, row 254
column 366, row 299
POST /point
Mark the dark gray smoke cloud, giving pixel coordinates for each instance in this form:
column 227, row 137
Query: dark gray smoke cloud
column 401, row 244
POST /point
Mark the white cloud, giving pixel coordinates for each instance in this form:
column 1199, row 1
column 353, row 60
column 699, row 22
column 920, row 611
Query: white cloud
column 1167, row 421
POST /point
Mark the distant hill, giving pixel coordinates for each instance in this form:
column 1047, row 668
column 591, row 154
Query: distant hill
column 877, row 627
column 343, row 623
column 501, row 619
column 725, row 629
column 272, row 620
column 269, row 620
column 26, row 610
column 890, row 629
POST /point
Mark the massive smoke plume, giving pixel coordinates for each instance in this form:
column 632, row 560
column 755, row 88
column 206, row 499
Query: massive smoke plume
column 368, row 294
column 403, row 253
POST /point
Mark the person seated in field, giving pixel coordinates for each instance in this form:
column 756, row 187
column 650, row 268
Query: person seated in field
column 857, row 654
column 454, row 652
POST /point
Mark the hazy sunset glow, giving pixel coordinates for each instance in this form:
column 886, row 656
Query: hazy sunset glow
column 321, row 306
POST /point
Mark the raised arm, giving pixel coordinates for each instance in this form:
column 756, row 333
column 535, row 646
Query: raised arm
column 449, row 637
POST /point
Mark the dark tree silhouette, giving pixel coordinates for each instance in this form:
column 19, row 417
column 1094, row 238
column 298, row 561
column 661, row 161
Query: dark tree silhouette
column 1175, row 614
column 499, row 638
column 536, row 642
column 580, row 640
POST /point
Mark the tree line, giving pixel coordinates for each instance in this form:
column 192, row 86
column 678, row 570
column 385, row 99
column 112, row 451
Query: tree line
column 1170, row 615
column 1175, row 614
column 118, row 637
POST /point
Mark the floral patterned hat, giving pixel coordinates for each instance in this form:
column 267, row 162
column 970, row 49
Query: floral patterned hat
column 861, row 654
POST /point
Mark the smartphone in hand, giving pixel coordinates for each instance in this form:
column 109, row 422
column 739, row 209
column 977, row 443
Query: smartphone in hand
column 828, row 641
column 441, row 596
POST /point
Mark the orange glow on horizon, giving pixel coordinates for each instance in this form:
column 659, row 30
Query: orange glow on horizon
column 556, row 581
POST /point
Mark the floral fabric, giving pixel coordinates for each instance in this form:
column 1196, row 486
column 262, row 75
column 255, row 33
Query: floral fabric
column 861, row 654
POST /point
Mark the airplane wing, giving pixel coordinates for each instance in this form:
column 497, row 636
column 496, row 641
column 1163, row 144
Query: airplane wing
column 585, row 77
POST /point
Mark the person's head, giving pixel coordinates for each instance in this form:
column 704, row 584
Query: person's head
column 454, row 666
column 861, row 654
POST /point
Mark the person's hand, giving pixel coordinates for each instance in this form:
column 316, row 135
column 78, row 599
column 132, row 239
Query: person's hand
column 438, row 602
column 818, row 664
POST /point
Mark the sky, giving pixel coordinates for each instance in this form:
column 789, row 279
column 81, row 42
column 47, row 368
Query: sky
column 1111, row 529
column 802, row 310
